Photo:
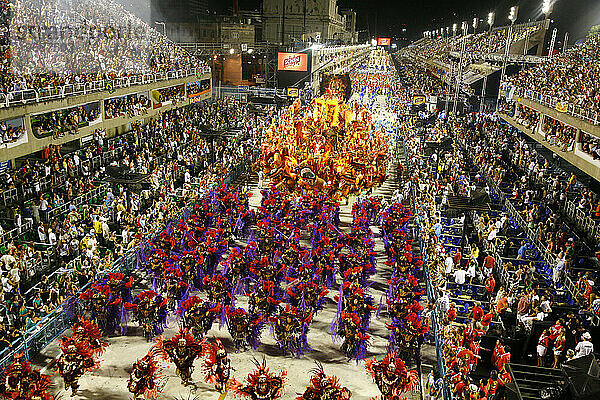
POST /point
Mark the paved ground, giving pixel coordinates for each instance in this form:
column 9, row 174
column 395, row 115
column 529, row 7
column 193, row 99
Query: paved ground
column 109, row 381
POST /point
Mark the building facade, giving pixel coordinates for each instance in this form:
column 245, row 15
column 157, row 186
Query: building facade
column 291, row 21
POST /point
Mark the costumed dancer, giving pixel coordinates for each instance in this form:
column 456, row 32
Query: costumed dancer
column 261, row 384
column 182, row 349
column 198, row 315
column 217, row 367
column 355, row 336
column 175, row 287
column 244, row 328
column 89, row 333
column 391, row 376
column 290, row 328
column 264, row 298
column 22, row 382
column 103, row 307
column 150, row 312
column 143, row 380
column 323, row 387
column 76, row 359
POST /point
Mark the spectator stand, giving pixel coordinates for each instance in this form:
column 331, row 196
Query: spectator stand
column 21, row 97
column 93, row 196
column 59, row 320
column 473, row 292
column 573, row 214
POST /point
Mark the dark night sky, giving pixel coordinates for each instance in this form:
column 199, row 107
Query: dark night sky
column 386, row 17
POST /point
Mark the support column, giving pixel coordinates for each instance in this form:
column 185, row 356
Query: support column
column 539, row 127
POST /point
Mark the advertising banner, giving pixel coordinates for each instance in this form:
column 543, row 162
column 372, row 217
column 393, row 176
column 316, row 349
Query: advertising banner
column 292, row 62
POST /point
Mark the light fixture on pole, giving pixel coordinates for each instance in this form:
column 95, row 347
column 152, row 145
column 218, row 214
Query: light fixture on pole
column 514, row 12
column 491, row 19
column 475, row 24
column 547, row 7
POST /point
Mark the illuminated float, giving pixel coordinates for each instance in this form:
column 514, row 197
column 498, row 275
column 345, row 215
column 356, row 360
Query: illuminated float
column 326, row 146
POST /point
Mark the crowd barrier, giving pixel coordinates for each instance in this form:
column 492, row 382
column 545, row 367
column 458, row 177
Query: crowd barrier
column 52, row 325
column 432, row 296
column 26, row 96
column 226, row 91
column 16, row 232
column 95, row 193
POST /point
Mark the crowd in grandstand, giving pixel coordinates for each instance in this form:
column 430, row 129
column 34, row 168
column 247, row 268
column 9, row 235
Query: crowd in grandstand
column 472, row 270
column 131, row 106
column 591, row 145
column 488, row 42
column 511, row 281
column 572, row 76
column 61, row 122
column 49, row 43
column 10, row 133
column 86, row 239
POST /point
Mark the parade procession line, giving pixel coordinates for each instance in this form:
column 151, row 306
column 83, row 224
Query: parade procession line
column 110, row 380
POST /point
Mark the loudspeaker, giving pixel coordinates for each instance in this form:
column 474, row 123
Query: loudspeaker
column 583, row 375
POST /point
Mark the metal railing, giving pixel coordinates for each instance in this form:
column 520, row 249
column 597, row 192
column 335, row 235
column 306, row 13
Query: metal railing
column 223, row 91
column 77, row 201
column 52, row 325
column 581, row 112
column 15, row 232
column 26, row 96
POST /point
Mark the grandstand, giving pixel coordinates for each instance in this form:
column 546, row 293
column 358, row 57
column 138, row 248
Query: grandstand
column 421, row 223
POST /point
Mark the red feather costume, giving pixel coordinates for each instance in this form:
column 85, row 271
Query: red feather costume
column 324, row 387
column 216, row 366
column 182, row 349
column 261, row 384
column 143, row 380
column 391, row 376
column 22, row 382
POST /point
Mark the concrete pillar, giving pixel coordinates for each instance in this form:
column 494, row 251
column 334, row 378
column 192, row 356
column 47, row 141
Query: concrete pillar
column 540, row 125
column 102, row 109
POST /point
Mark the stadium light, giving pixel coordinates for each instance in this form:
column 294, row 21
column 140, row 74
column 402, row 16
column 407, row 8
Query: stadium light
column 491, row 19
column 231, row 51
column 465, row 27
column 514, row 11
column 454, row 26
column 547, row 7
column 475, row 24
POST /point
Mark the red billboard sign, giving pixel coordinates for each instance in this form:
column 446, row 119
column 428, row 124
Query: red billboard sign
column 383, row 41
column 292, row 61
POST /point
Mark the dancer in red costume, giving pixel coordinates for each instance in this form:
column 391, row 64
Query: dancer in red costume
column 261, row 384
column 217, row 367
column 182, row 349
column 21, row 382
column 391, row 376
